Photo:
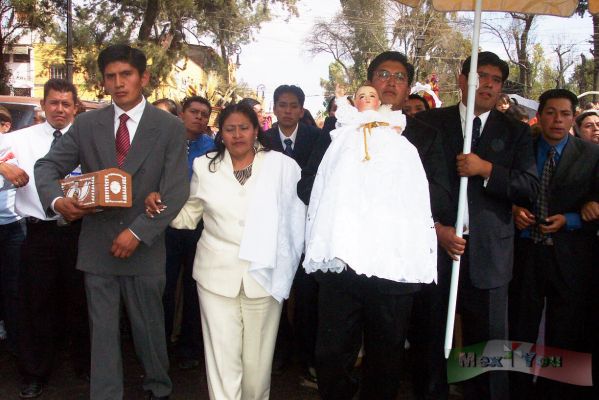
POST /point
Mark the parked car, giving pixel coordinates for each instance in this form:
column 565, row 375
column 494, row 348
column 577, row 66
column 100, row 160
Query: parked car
column 24, row 109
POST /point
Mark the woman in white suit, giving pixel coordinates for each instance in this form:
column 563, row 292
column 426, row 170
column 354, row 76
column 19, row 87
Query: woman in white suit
column 247, row 255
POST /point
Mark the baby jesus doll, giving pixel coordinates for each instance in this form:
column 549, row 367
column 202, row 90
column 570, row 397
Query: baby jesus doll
column 370, row 204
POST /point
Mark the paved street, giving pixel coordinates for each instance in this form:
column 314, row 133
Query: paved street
column 64, row 385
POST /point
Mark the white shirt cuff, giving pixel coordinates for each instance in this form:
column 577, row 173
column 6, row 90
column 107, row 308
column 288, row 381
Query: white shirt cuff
column 52, row 205
column 133, row 233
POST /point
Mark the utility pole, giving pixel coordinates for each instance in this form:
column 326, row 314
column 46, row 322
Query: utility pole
column 69, row 58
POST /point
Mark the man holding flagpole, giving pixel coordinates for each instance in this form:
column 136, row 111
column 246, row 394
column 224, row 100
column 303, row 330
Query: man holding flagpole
column 501, row 171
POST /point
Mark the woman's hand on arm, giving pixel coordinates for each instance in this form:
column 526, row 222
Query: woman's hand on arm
column 153, row 204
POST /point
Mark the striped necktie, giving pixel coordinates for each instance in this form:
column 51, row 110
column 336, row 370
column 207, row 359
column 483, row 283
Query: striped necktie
column 288, row 149
column 122, row 140
column 57, row 135
column 542, row 204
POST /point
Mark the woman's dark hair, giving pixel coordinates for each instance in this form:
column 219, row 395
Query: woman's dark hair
column 415, row 96
column 249, row 102
column 218, row 153
column 330, row 104
column 583, row 115
column 308, row 119
column 170, row 105
column 517, row 112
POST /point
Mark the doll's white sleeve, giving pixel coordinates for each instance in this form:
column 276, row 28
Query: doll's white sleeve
column 346, row 114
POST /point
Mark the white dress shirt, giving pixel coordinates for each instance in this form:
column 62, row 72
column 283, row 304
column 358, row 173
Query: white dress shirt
column 483, row 120
column 28, row 145
column 134, row 117
column 293, row 136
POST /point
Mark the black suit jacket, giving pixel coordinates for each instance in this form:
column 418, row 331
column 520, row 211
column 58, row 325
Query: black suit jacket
column 575, row 182
column 304, row 142
column 507, row 144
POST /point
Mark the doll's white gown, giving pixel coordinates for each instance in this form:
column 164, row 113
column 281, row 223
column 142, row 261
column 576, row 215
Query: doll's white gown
column 373, row 215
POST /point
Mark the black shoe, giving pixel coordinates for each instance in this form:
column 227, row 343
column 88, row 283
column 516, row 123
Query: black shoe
column 308, row 379
column 189, row 363
column 31, row 390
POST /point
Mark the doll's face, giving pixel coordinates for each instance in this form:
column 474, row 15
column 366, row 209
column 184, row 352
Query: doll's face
column 367, row 98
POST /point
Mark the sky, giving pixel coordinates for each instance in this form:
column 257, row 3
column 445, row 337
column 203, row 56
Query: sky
column 279, row 56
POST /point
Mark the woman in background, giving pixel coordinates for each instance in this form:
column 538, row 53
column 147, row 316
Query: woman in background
column 587, row 124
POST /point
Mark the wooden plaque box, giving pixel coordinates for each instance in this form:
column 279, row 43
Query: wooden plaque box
column 106, row 188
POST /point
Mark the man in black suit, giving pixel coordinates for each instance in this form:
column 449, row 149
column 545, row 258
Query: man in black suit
column 290, row 136
column 502, row 172
column 352, row 306
column 556, row 249
column 296, row 140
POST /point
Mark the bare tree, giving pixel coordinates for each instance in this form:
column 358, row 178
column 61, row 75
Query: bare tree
column 516, row 40
column 565, row 59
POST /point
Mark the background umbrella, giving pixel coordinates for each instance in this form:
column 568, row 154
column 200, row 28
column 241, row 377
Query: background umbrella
column 561, row 8
column 530, row 106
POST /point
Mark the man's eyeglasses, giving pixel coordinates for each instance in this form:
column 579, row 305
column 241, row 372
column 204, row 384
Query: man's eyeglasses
column 384, row 75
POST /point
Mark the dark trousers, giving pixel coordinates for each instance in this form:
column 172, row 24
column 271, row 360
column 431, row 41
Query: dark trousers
column 305, row 317
column 537, row 281
column 427, row 336
column 484, row 317
column 51, row 300
column 11, row 238
column 180, row 252
column 351, row 309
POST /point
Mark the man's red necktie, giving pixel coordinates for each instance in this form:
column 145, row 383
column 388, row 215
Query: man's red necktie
column 122, row 140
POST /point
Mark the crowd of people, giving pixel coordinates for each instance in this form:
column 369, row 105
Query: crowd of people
column 354, row 221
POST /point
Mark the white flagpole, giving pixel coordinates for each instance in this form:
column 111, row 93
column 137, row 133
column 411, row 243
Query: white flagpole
column 459, row 228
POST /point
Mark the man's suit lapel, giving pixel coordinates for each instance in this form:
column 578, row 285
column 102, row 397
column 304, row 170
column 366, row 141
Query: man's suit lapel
column 275, row 140
column 569, row 156
column 453, row 128
column 143, row 140
column 491, row 134
column 300, row 142
column 105, row 137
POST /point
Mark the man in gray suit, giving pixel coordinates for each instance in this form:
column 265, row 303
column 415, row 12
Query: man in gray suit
column 121, row 251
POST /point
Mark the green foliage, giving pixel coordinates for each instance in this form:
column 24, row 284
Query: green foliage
column 17, row 18
column 337, row 77
column 159, row 27
column 367, row 30
column 543, row 74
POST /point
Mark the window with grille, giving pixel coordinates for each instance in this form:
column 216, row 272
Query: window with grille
column 20, row 58
column 58, row 71
column 22, row 92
